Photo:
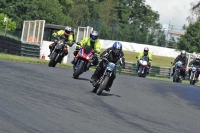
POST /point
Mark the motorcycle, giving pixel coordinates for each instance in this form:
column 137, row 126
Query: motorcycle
column 142, row 70
column 102, row 83
column 193, row 75
column 177, row 77
column 58, row 53
column 83, row 62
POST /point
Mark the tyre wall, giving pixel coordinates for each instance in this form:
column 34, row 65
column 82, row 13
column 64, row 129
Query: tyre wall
column 10, row 46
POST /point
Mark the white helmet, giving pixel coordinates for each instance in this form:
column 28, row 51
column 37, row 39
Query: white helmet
column 68, row 29
column 183, row 53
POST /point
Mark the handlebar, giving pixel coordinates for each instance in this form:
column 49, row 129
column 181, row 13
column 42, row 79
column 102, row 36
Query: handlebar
column 105, row 59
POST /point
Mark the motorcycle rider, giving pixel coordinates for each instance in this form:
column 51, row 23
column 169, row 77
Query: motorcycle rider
column 182, row 57
column 195, row 63
column 68, row 35
column 142, row 54
column 112, row 54
column 92, row 41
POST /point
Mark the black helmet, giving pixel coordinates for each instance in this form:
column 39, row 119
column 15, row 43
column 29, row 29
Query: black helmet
column 93, row 35
column 146, row 50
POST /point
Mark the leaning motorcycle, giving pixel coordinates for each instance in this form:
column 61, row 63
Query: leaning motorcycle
column 142, row 70
column 102, row 83
column 83, row 62
column 193, row 75
column 177, row 76
column 58, row 53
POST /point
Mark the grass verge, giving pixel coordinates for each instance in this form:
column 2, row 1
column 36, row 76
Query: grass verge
column 157, row 60
column 16, row 58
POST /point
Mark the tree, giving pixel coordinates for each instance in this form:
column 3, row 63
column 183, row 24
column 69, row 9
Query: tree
column 151, row 38
column 66, row 5
column 161, row 41
column 20, row 10
column 195, row 14
column 124, row 20
column 79, row 12
column 172, row 42
column 190, row 41
column 11, row 25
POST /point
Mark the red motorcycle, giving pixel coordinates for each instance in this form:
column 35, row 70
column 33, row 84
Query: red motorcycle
column 83, row 62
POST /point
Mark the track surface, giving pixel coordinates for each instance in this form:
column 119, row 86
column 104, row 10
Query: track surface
column 37, row 99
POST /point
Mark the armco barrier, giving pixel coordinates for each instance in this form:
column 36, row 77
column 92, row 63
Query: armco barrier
column 30, row 50
column 155, row 71
column 130, row 69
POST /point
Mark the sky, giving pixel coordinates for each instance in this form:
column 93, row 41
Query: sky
column 174, row 12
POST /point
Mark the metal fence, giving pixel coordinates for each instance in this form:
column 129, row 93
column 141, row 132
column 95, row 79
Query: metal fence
column 12, row 34
column 33, row 32
column 155, row 71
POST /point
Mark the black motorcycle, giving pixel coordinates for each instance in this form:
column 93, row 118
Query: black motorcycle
column 177, row 76
column 102, row 83
column 58, row 53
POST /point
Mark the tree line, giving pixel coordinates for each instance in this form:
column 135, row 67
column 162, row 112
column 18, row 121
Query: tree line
column 123, row 20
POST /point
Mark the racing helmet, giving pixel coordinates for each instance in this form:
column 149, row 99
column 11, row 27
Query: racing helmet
column 117, row 48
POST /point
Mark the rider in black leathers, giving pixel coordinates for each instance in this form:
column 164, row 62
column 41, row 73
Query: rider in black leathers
column 195, row 63
column 112, row 54
column 182, row 57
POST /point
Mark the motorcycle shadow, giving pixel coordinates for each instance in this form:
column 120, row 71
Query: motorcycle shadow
column 106, row 94
column 82, row 79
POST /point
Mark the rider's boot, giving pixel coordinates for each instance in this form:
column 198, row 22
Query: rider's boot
column 74, row 60
column 107, row 89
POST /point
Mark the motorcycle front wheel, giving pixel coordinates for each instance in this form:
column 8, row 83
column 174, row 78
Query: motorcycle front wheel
column 103, row 85
column 52, row 62
column 79, row 70
column 192, row 82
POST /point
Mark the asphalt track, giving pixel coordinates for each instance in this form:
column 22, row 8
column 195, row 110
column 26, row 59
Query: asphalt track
column 35, row 98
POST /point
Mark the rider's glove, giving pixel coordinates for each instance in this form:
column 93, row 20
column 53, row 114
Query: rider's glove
column 54, row 34
column 75, row 52
column 97, row 52
column 78, row 43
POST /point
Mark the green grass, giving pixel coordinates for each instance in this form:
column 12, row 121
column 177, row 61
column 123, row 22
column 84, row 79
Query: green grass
column 157, row 60
column 16, row 58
